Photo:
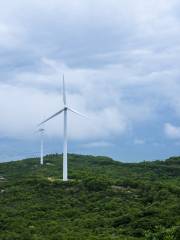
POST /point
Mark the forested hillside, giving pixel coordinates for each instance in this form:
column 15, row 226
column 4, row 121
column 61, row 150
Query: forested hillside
column 104, row 199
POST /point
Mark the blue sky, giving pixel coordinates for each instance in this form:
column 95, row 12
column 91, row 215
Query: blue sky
column 121, row 65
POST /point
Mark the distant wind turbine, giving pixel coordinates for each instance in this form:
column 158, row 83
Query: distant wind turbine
column 41, row 131
column 65, row 111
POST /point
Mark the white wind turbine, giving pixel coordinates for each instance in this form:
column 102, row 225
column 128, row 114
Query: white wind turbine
column 64, row 110
column 41, row 131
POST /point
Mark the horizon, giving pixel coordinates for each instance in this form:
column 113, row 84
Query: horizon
column 77, row 154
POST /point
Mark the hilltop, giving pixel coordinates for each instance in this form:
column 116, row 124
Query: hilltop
column 104, row 199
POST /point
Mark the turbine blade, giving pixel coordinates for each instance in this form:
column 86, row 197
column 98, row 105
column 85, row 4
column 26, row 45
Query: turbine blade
column 76, row 112
column 54, row 115
column 64, row 91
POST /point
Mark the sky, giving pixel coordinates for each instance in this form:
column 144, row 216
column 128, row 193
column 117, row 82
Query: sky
column 120, row 60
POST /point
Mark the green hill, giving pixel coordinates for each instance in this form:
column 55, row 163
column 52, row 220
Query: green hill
column 104, row 200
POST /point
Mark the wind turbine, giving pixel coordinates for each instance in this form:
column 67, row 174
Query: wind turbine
column 64, row 110
column 41, row 131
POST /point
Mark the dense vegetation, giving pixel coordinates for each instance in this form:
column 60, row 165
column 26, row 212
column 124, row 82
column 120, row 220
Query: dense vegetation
column 104, row 200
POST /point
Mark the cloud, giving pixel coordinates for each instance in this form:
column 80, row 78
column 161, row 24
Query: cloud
column 171, row 131
column 120, row 63
column 138, row 141
column 24, row 106
column 100, row 144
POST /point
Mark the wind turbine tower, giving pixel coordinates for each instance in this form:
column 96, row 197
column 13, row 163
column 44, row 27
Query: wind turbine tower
column 41, row 130
column 64, row 110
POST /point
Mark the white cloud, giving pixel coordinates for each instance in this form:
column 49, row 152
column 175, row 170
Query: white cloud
column 100, row 144
column 138, row 141
column 10, row 36
column 120, row 62
column 22, row 108
column 172, row 131
column 98, row 93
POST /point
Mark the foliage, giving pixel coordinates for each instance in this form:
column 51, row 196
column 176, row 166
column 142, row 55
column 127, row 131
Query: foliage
column 104, row 199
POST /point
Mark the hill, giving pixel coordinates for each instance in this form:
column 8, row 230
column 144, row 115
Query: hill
column 104, row 200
